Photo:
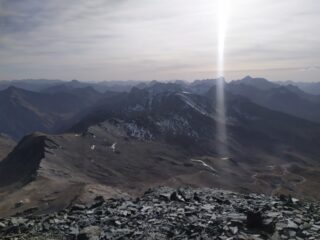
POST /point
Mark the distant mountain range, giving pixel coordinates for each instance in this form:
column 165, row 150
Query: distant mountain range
column 121, row 143
column 308, row 87
column 52, row 106
column 39, row 85
column 44, row 85
column 23, row 112
column 288, row 99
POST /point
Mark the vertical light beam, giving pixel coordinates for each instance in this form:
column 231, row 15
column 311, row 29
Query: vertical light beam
column 221, row 137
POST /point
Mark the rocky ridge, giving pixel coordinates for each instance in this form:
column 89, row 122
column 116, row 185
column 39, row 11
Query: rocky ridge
column 166, row 213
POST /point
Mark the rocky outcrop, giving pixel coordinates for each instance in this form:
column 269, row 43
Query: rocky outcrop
column 166, row 213
column 20, row 166
column 6, row 145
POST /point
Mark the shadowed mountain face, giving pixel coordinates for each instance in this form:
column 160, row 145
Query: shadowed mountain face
column 308, row 87
column 163, row 111
column 162, row 135
column 23, row 112
column 287, row 99
column 6, row 146
column 259, row 83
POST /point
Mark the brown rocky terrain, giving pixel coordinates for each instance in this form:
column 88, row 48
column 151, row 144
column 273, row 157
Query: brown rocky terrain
column 48, row 173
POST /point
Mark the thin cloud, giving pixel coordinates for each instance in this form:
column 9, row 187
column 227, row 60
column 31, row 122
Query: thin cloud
column 113, row 39
column 311, row 68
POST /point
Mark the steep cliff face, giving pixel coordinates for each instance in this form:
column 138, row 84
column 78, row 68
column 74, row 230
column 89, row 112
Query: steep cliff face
column 6, row 146
column 21, row 165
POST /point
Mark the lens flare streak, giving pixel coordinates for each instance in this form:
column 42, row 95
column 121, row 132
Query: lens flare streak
column 223, row 14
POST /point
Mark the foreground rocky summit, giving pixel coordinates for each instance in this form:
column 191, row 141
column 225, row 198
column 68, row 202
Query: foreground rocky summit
column 165, row 213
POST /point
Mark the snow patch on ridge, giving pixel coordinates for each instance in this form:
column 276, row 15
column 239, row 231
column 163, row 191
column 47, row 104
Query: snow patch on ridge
column 133, row 130
column 176, row 125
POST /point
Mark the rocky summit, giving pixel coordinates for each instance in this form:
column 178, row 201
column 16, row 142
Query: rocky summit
column 166, row 213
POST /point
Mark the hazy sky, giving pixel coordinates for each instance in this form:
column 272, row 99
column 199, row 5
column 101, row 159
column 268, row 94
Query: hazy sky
column 157, row 39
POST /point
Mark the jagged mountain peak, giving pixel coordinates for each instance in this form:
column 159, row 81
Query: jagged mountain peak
column 11, row 90
column 260, row 83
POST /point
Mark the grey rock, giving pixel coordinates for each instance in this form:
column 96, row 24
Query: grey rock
column 254, row 219
column 185, row 213
column 292, row 225
column 90, row 233
column 78, row 207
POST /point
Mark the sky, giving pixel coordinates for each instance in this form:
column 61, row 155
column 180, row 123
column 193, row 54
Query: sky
column 158, row 39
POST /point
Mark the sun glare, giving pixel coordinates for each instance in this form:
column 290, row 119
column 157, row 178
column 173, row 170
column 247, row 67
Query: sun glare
column 223, row 15
column 221, row 138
